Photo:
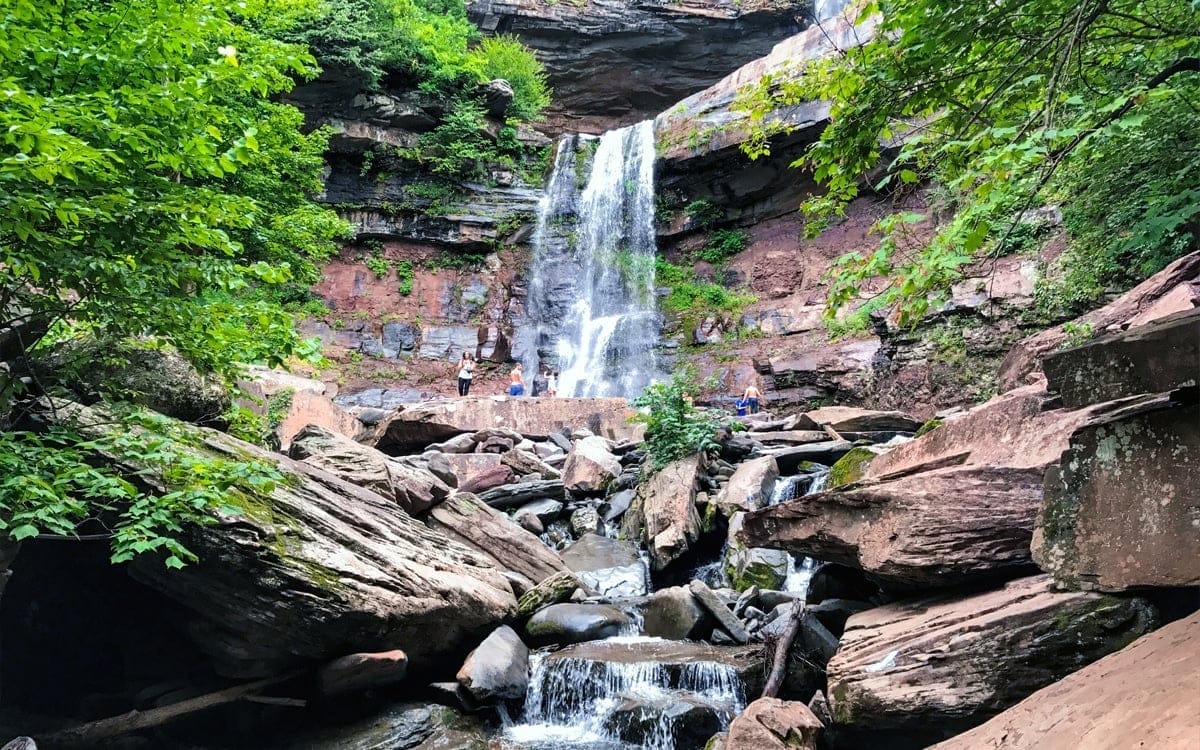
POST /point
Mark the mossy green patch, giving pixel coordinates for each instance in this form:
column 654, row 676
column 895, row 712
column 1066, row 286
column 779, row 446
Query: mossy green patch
column 851, row 467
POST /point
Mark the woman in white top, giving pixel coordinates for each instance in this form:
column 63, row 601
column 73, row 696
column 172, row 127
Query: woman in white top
column 552, row 383
column 466, row 370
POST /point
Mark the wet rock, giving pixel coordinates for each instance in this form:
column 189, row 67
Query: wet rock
column 519, row 493
column 610, row 567
column 689, row 721
column 329, row 567
column 590, row 467
column 817, row 640
column 407, row 726
column 585, row 521
column 936, row 528
column 497, row 96
column 498, row 668
column 851, row 419
column 1174, row 289
column 833, row 613
column 529, row 521
column 669, row 522
column 575, row 623
column 362, row 671
column 20, row 743
column 1121, row 512
column 851, row 467
column 674, row 613
column 616, row 504
column 770, row 724
column 469, row 521
column 557, row 588
column 725, row 619
column 791, row 458
column 416, row 426
column 413, row 489
column 1128, row 699
column 750, row 486
column 747, row 567
column 942, row 664
column 675, row 658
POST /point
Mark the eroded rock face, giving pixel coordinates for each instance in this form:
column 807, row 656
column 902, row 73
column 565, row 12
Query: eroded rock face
column 671, row 49
column 945, row 664
column 317, row 567
column 1121, row 512
column 772, row 724
column 936, row 528
column 1128, row 699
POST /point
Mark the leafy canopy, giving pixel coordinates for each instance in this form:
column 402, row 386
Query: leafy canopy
column 1001, row 102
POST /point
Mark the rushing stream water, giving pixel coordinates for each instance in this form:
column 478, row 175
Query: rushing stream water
column 591, row 310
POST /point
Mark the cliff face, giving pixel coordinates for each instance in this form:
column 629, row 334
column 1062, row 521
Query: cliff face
column 613, row 63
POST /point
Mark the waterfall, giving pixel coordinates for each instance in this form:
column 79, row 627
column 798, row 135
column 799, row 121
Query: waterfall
column 590, row 309
column 585, row 703
column 823, row 10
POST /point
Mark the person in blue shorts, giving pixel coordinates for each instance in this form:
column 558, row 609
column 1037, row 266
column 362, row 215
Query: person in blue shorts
column 751, row 397
column 516, row 384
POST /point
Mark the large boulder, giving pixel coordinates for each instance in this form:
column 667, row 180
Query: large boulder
column 667, row 511
column 1174, row 289
column 852, row 419
column 498, row 668
column 674, row 613
column 362, row 671
column 289, row 403
column 750, row 486
column 1137, row 697
column 610, row 567
column 1157, row 357
column 312, row 567
column 590, row 467
column 575, row 623
column 935, row 528
column 772, row 724
column 495, row 537
column 412, row 428
column 1121, row 512
column 943, row 664
column 414, row 489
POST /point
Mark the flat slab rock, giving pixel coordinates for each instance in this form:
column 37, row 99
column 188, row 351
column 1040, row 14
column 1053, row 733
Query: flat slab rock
column 947, row 663
column 412, row 428
column 1141, row 696
column 934, row 529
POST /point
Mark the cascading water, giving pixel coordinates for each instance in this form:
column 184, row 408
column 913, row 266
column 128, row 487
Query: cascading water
column 583, row 703
column 591, row 306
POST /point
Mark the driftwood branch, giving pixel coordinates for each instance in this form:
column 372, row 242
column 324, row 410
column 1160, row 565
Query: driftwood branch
column 782, row 649
column 89, row 733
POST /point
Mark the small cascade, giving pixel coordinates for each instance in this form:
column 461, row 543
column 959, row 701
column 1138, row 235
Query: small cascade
column 790, row 488
column 799, row 573
column 591, row 310
column 584, row 703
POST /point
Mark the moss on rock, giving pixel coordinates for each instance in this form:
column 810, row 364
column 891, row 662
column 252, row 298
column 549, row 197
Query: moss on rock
column 851, row 467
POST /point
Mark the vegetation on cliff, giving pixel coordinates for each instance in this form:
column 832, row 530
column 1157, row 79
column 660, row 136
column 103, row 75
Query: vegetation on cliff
column 1009, row 106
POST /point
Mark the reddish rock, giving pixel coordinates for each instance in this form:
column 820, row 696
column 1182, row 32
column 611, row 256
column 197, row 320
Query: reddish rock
column 668, row 511
column 750, row 486
column 590, row 467
column 1173, row 289
column 771, row 724
column 362, row 671
column 1122, row 511
column 851, row 419
column 948, row 663
column 1154, row 358
column 486, row 479
column 307, row 402
column 1140, row 697
column 470, row 467
column 937, row 528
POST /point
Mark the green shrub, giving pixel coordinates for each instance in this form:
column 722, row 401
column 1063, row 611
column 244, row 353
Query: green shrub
column 676, row 428
column 378, row 265
column 505, row 57
column 724, row 244
column 704, row 212
column 404, row 270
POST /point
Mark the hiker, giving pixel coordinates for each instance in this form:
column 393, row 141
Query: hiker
column 516, row 385
column 751, row 397
column 466, row 371
column 552, row 383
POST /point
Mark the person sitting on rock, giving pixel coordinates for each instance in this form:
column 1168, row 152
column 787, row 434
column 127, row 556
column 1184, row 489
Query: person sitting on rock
column 516, row 384
column 466, row 371
column 751, row 397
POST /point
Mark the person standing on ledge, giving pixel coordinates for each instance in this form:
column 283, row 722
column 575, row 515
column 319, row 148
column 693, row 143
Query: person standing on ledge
column 466, row 371
column 751, row 397
column 516, row 385
column 552, row 383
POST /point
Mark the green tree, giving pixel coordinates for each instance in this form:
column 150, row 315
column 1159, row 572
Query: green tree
column 997, row 101
column 675, row 427
column 149, row 187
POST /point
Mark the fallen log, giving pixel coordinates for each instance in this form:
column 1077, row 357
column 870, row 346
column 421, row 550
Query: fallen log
column 782, row 649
